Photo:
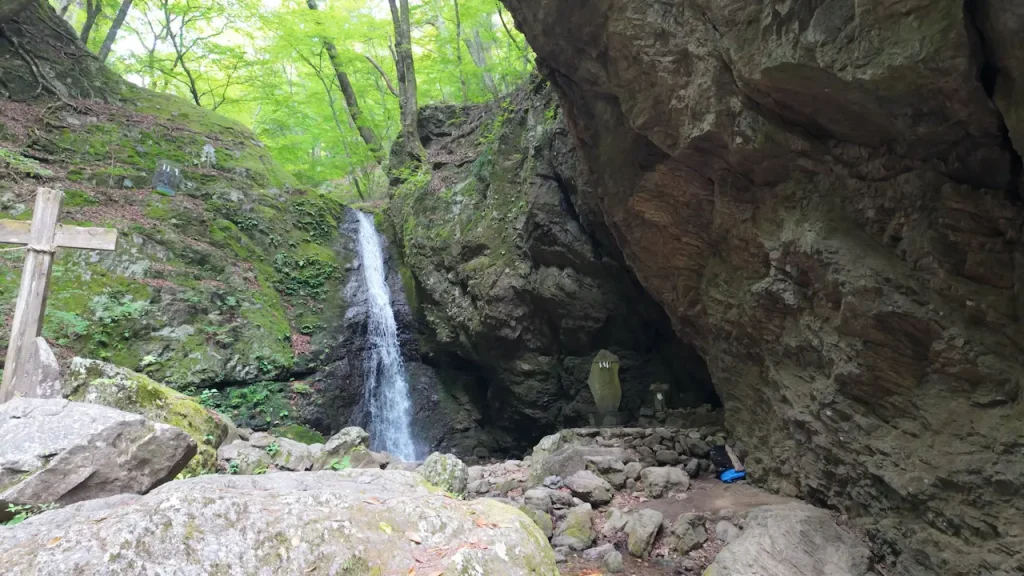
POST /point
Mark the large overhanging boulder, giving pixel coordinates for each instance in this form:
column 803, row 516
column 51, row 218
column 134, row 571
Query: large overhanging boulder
column 825, row 197
column 311, row 523
column 60, row 452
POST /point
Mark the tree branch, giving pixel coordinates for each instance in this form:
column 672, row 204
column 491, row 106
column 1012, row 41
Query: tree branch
column 383, row 75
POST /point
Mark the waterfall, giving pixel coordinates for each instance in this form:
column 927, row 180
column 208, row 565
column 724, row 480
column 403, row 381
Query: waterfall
column 386, row 389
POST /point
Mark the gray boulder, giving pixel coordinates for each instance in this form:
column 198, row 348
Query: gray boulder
column 598, row 552
column 688, row 533
column 692, row 467
column 56, row 451
column 342, row 444
column 445, row 471
column 633, row 469
column 792, row 540
column 660, row 482
column 589, row 487
column 642, row 529
column 538, row 499
column 612, row 562
column 261, row 439
column 615, row 523
column 116, row 387
column 291, row 455
column 697, row 448
column 350, row 522
column 541, row 519
column 478, row 487
column 568, row 460
column 560, row 499
column 726, row 531
column 611, row 469
column 576, row 532
column 666, row 457
column 240, row 457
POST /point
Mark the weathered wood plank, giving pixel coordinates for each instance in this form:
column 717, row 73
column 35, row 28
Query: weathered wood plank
column 17, row 232
column 35, row 279
column 86, row 238
column 14, row 231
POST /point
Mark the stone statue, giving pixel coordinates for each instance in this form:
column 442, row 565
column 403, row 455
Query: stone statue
column 659, row 394
column 604, row 385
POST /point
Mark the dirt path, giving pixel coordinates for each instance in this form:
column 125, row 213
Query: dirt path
column 709, row 496
column 706, row 496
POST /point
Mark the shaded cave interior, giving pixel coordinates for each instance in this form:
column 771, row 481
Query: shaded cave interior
column 650, row 353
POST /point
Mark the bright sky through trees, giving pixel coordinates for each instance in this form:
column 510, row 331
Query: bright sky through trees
column 268, row 63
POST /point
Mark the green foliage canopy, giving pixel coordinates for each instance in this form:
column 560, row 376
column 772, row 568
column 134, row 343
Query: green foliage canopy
column 265, row 63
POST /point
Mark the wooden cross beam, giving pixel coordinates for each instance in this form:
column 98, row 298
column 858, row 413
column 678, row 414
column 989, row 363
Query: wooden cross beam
column 41, row 238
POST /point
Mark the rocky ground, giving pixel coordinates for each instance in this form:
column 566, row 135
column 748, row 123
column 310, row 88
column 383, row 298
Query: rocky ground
column 80, row 478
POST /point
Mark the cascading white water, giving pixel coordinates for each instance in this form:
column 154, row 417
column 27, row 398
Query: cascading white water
column 386, row 389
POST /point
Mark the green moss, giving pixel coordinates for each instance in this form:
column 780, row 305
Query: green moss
column 299, row 433
column 74, row 198
column 17, row 164
column 261, row 406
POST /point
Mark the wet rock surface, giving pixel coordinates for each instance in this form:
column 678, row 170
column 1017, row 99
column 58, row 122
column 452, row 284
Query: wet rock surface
column 824, row 197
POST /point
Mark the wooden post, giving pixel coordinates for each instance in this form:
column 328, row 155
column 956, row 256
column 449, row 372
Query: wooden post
column 35, row 279
column 30, row 366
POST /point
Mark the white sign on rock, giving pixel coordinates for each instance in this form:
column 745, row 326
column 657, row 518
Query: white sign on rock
column 30, row 368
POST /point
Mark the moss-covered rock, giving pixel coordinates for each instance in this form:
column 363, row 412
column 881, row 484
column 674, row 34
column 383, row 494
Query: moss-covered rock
column 102, row 383
column 541, row 518
column 576, row 531
column 445, row 471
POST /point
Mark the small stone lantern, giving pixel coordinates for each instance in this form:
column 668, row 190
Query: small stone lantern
column 659, row 397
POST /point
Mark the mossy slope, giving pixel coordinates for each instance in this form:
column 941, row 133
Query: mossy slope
column 220, row 284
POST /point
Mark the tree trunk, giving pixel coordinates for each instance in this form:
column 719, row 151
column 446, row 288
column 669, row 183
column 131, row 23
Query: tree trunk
column 115, row 27
column 478, row 51
column 458, row 52
column 351, row 102
column 406, row 78
column 93, row 9
column 41, row 57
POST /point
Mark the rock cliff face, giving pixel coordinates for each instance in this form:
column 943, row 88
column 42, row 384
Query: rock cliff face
column 824, row 197
column 516, row 294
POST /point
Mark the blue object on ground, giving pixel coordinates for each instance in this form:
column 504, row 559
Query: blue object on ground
column 731, row 475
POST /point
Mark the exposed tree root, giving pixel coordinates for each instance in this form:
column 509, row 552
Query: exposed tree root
column 37, row 71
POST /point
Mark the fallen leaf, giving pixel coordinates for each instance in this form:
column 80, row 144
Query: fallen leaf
column 385, row 527
column 412, row 572
column 414, row 537
column 374, row 500
column 436, row 573
column 53, row 542
column 481, row 522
